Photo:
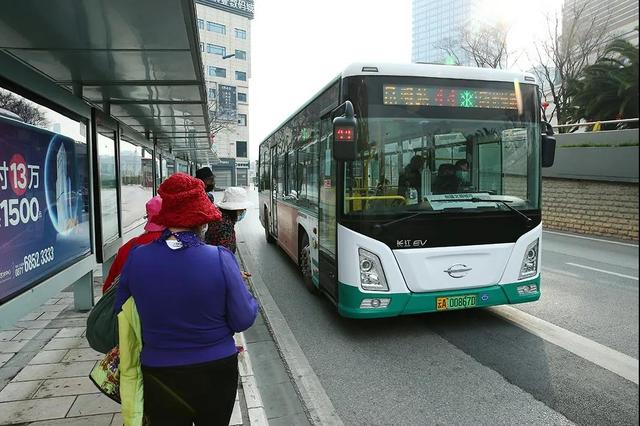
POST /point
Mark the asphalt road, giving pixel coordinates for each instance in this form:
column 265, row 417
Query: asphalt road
column 471, row 367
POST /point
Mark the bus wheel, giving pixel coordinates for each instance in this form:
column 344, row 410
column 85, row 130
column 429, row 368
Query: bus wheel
column 267, row 235
column 305, row 264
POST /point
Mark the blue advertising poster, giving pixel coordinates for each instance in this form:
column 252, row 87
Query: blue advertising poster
column 44, row 205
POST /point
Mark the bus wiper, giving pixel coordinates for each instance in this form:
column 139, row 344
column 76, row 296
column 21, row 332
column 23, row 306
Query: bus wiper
column 379, row 226
column 482, row 200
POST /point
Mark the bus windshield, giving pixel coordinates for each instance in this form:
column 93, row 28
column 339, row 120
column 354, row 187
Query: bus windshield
column 418, row 152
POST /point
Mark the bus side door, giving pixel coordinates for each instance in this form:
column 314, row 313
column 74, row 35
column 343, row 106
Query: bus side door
column 327, row 211
column 273, row 211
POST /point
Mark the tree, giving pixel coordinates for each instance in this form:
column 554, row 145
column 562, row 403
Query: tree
column 570, row 46
column 608, row 89
column 219, row 118
column 29, row 112
column 486, row 47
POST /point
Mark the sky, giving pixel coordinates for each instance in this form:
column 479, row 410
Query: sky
column 297, row 47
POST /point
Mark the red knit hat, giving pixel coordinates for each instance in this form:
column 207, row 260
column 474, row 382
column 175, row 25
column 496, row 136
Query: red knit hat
column 185, row 203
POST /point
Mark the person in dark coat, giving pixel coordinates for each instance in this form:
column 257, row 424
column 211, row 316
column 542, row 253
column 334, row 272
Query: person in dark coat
column 446, row 182
column 412, row 176
column 207, row 177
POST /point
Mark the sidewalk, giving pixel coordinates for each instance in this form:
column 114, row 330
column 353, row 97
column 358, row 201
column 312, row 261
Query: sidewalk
column 45, row 362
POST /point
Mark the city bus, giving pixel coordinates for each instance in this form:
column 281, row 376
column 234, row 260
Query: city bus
column 429, row 201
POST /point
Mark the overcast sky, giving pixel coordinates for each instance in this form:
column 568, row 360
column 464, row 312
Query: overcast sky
column 297, row 47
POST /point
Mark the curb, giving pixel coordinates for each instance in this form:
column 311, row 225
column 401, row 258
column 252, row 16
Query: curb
column 255, row 407
column 315, row 402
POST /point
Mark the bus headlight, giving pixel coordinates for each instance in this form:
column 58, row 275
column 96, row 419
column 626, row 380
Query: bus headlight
column 530, row 261
column 371, row 273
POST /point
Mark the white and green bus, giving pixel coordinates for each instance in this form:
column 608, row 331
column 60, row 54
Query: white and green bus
column 402, row 189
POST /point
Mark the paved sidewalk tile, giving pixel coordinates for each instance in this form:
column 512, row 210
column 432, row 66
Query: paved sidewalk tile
column 27, row 334
column 66, row 343
column 19, row 390
column 99, row 420
column 8, row 335
column 49, row 315
column 49, row 357
column 93, row 404
column 12, row 346
column 37, row 324
column 66, row 387
column 279, row 399
column 71, row 332
column 54, row 371
column 257, row 417
column 83, row 354
column 251, row 393
column 291, row 419
column 236, row 416
column 62, row 322
column 31, row 316
column 4, row 358
column 53, row 308
column 34, row 409
column 117, row 420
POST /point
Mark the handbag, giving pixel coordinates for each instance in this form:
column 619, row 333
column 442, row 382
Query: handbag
column 106, row 375
column 102, row 323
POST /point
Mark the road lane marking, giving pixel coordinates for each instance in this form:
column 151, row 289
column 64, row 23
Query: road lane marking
column 590, row 238
column 603, row 271
column 610, row 359
column 559, row 272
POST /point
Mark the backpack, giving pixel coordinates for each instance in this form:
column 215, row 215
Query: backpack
column 102, row 323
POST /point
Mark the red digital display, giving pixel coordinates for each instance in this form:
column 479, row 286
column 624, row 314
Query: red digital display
column 343, row 134
column 448, row 96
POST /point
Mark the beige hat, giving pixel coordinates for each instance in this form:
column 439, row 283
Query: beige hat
column 234, row 198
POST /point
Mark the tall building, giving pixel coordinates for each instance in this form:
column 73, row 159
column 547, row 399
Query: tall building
column 438, row 22
column 225, row 40
column 619, row 17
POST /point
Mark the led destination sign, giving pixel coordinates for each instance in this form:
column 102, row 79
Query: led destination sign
column 446, row 96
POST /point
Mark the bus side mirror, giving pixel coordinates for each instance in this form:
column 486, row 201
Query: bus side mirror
column 548, row 144
column 345, row 129
column 548, row 150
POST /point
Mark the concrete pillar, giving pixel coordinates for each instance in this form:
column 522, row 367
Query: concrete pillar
column 83, row 293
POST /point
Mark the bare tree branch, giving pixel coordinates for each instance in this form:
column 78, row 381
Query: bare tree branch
column 486, row 47
column 29, row 112
column 572, row 42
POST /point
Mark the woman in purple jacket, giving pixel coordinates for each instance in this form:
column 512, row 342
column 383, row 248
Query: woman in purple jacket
column 191, row 299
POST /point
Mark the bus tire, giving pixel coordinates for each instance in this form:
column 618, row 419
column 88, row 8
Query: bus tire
column 304, row 263
column 267, row 234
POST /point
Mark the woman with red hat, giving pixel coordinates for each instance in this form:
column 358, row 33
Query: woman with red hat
column 190, row 298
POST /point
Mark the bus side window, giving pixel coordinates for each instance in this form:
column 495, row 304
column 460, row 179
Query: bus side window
column 307, row 176
column 280, row 178
column 291, row 188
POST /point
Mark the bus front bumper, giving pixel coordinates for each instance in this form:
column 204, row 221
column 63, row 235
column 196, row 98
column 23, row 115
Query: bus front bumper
column 351, row 299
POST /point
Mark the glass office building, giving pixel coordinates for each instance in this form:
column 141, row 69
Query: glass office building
column 436, row 22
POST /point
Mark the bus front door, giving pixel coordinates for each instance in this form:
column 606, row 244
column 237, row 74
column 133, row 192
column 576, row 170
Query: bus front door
column 327, row 212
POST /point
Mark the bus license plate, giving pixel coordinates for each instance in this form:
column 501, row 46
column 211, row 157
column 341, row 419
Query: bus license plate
column 455, row 302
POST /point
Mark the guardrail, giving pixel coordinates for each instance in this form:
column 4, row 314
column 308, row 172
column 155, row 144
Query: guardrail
column 625, row 120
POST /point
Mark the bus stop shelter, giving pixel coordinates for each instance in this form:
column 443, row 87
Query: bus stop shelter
column 129, row 76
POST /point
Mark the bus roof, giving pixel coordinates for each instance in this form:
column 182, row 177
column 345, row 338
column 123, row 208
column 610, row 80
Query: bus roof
column 437, row 71
column 418, row 70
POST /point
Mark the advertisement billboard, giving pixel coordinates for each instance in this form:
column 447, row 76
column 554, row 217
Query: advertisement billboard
column 44, row 205
column 227, row 105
